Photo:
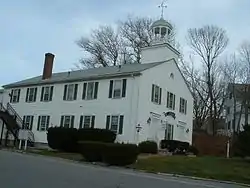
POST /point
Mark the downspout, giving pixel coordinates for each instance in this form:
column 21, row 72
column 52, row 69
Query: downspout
column 1, row 138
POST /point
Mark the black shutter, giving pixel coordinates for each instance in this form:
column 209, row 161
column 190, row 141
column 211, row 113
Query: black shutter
column 61, row 123
column 84, row 91
column 124, row 85
column 160, row 96
column 81, row 122
column 38, row 123
column 47, row 123
column 65, row 92
column 35, row 94
column 96, row 90
column 153, row 91
column 110, row 88
column 72, row 121
column 24, row 117
column 185, row 106
column 180, row 105
column 120, row 125
column 92, row 121
column 18, row 96
column 42, row 93
column 11, row 95
column 51, row 93
column 107, row 122
column 27, row 94
column 75, row 91
column 174, row 101
column 31, row 125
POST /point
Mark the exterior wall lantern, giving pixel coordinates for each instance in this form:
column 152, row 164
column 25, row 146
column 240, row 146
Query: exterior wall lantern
column 138, row 128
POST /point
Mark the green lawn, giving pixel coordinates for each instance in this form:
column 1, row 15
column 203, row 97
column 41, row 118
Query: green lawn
column 207, row 167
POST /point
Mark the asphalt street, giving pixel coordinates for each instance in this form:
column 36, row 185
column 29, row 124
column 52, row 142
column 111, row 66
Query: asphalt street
column 28, row 171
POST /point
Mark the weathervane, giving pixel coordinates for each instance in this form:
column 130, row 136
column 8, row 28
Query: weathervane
column 162, row 6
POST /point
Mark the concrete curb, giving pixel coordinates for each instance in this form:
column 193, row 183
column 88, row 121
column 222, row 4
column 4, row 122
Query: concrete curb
column 136, row 170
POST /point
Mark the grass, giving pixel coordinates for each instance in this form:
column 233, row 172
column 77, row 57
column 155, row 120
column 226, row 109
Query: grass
column 207, row 167
column 237, row 170
column 70, row 156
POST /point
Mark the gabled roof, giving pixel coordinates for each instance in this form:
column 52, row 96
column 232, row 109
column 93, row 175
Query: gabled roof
column 86, row 74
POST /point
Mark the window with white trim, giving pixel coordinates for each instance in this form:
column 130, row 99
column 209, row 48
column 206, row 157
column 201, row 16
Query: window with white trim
column 170, row 100
column 183, row 106
column 117, row 88
column 67, row 121
column 115, row 123
column 31, row 94
column 70, row 92
column 15, row 95
column 47, row 93
column 43, row 123
column 27, row 122
column 156, row 94
column 87, row 122
column 90, row 90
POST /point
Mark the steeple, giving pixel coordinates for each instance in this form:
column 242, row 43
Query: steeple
column 161, row 28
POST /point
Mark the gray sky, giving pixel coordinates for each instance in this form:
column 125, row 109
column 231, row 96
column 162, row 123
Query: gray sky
column 31, row 28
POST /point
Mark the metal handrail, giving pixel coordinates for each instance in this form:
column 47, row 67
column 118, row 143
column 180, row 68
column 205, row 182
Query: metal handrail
column 13, row 112
column 31, row 136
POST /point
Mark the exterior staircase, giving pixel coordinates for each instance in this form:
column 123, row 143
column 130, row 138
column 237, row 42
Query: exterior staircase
column 14, row 122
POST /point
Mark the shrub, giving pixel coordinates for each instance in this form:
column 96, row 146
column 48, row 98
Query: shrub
column 241, row 145
column 120, row 154
column 148, row 147
column 66, row 139
column 63, row 139
column 193, row 150
column 92, row 151
column 98, row 135
column 175, row 146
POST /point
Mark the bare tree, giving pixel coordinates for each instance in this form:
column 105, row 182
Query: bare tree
column 199, row 92
column 103, row 46
column 136, row 32
column 208, row 43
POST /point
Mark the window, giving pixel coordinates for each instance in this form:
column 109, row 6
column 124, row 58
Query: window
column 70, row 92
column 115, row 123
column 15, row 95
column 31, row 94
column 170, row 100
column 183, row 106
column 117, row 88
column 47, row 93
column 43, row 123
column 87, row 122
column 90, row 90
column 156, row 94
column 27, row 122
column 169, row 131
column 67, row 121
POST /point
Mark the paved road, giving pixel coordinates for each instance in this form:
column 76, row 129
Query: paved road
column 26, row 171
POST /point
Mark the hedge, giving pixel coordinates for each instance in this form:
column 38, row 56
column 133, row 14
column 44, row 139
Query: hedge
column 175, row 146
column 148, row 147
column 120, row 154
column 193, row 150
column 110, row 153
column 66, row 139
column 92, row 151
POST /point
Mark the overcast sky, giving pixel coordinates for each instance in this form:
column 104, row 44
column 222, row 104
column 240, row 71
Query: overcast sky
column 30, row 28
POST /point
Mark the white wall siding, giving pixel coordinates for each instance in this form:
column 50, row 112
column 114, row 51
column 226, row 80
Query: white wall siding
column 160, row 75
column 158, row 53
column 100, row 107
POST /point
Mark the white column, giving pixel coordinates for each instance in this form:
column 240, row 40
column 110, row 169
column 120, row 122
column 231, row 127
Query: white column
column 25, row 145
column 20, row 144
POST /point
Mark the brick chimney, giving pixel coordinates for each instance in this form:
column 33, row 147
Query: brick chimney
column 48, row 66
